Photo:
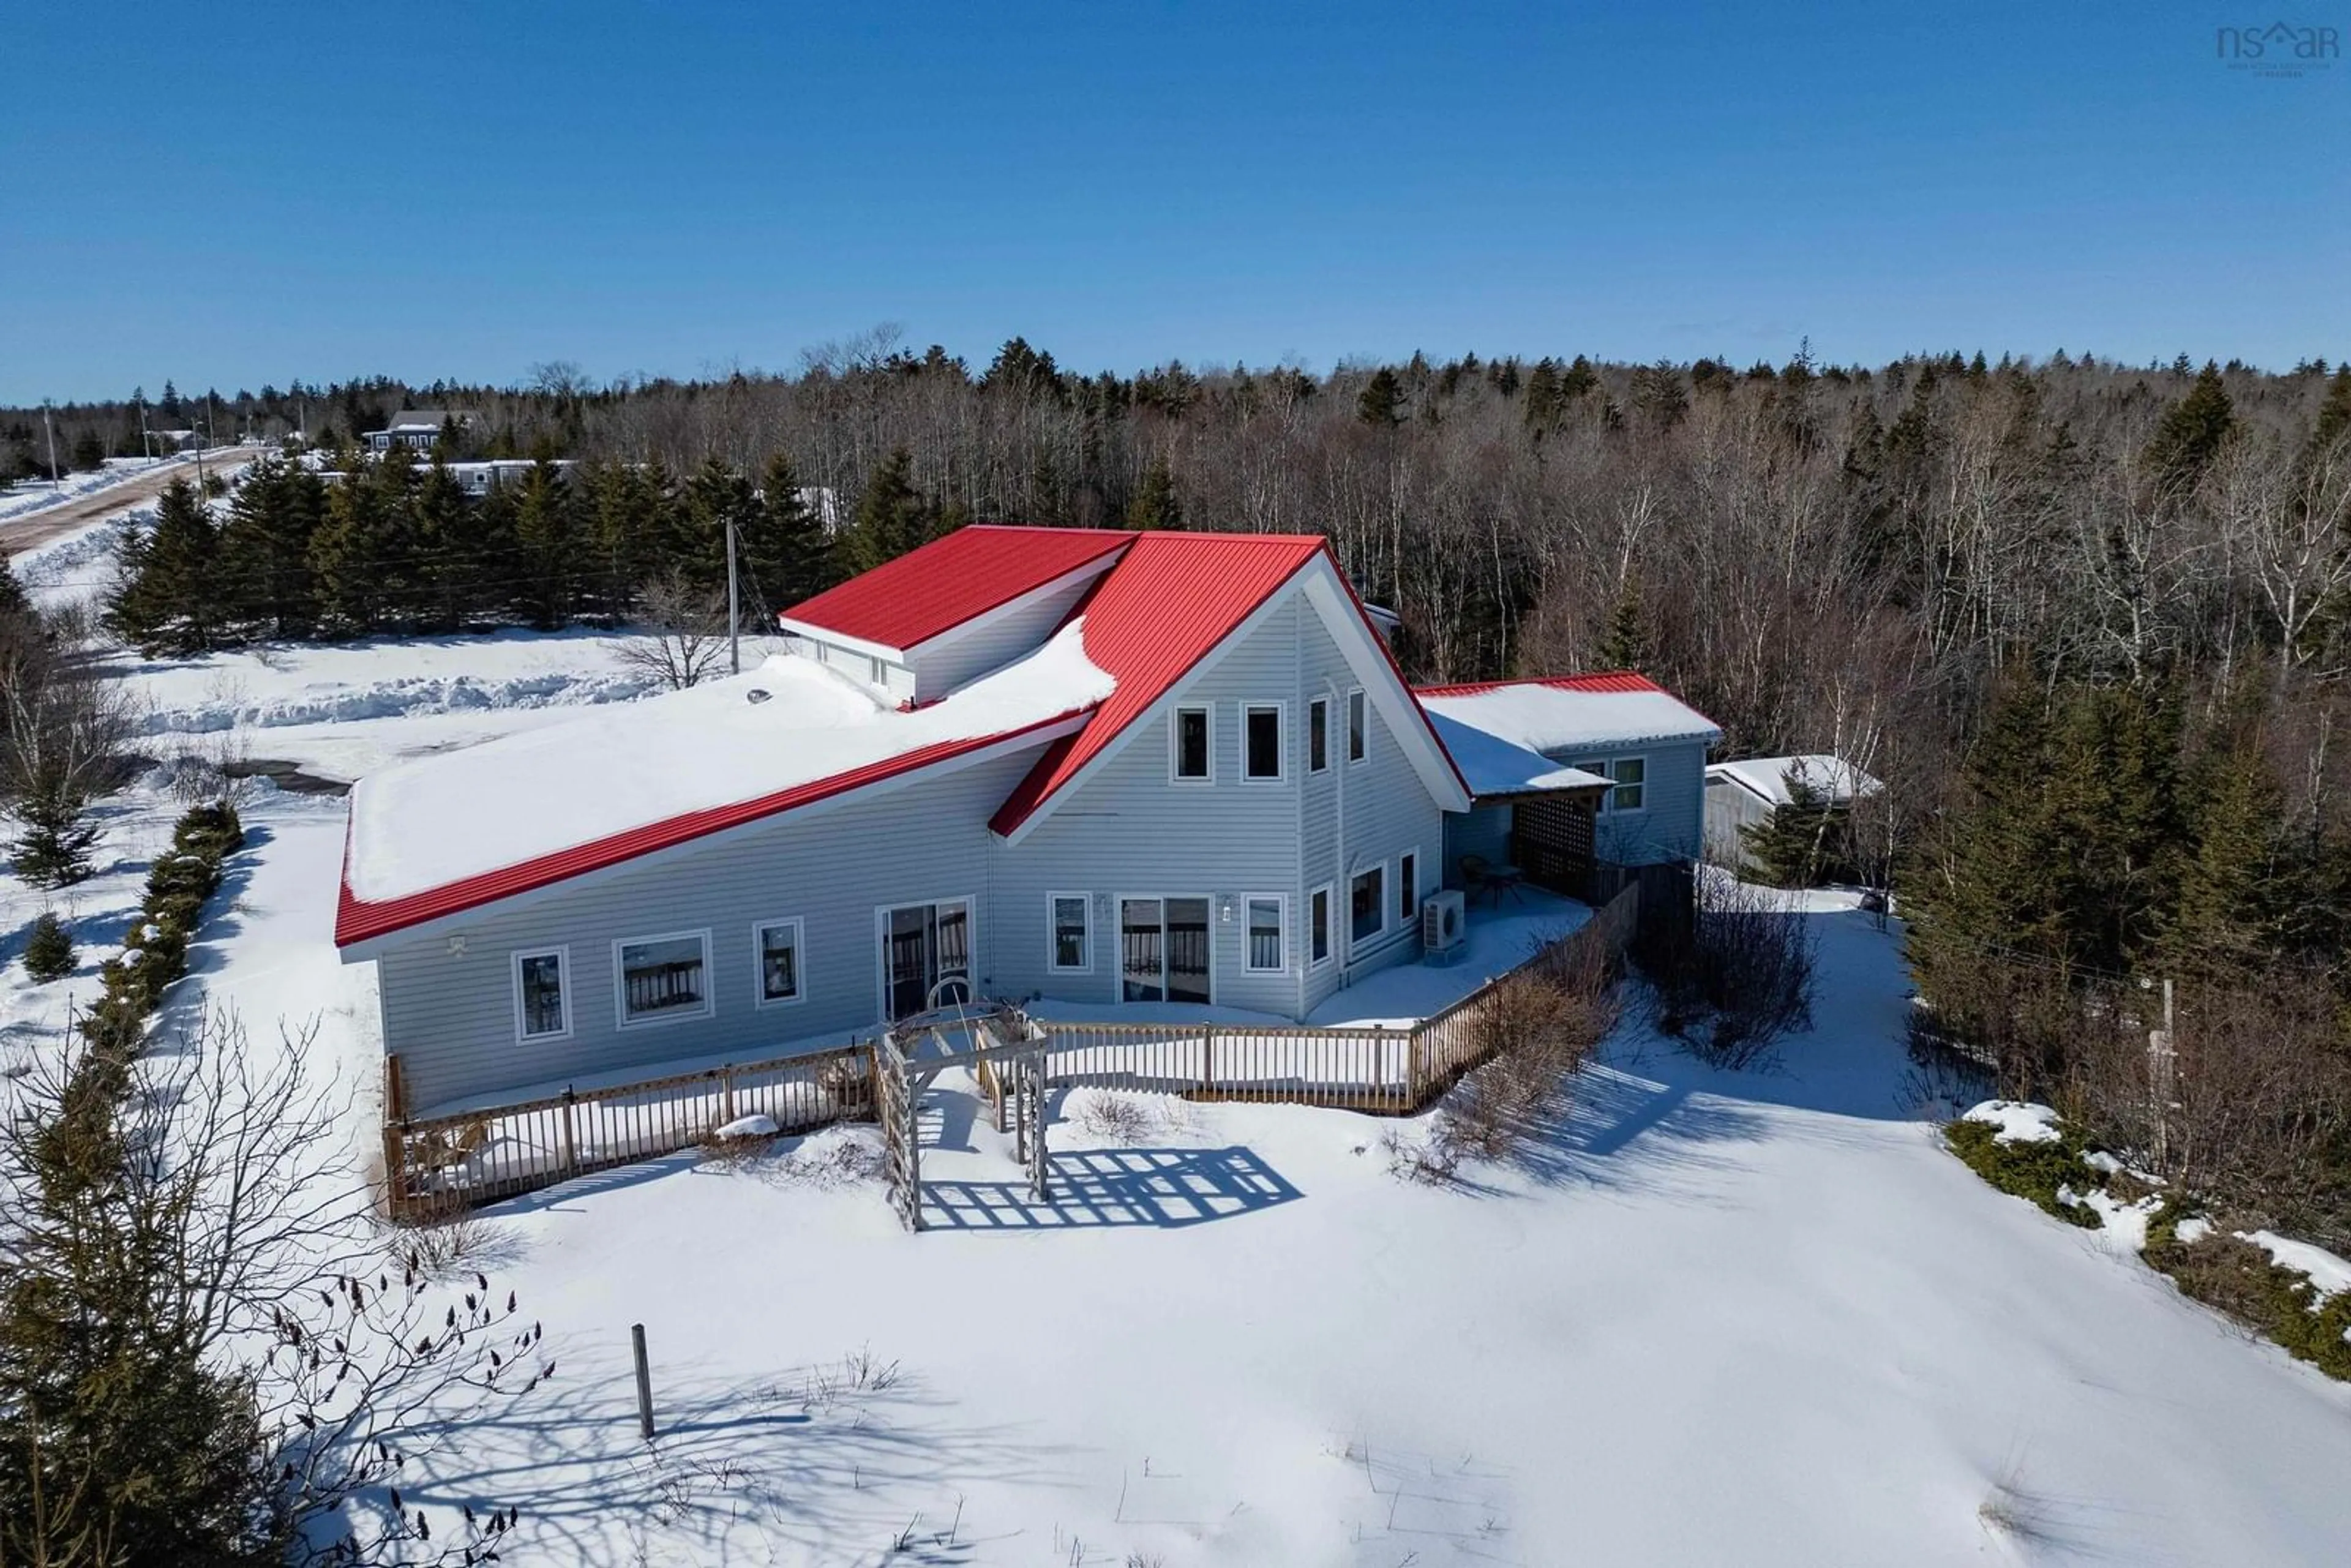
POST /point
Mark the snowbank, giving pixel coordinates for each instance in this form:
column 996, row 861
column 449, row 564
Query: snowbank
column 791, row 722
column 2019, row 1121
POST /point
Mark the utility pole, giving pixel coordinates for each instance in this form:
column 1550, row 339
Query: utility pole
column 146, row 441
column 55, row 483
column 734, row 608
column 2162, row 1053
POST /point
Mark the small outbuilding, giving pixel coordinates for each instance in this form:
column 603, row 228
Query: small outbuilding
column 1749, row 792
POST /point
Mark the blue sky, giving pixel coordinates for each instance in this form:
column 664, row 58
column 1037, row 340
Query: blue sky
column 425, row 190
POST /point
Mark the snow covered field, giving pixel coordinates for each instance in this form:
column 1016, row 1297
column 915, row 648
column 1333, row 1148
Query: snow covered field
column 1751, row 1319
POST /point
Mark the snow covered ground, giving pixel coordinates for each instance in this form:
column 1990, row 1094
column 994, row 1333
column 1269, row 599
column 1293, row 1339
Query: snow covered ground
column 1705, row 1318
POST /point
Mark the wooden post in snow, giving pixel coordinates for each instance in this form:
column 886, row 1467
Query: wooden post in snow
column 644, row 1383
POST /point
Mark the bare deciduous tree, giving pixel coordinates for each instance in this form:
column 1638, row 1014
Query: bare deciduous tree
column 688, row 627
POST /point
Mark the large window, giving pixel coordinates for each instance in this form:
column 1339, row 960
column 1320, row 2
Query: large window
column 662, row 979
column 1318, row 734
column 1189, row 746
column 1367, row 904
column 1070, row 915
column 1359, row 725
column 540, row 1010
column 778, row 946
column 1318, row 925
column 1631, row 777
column 1408, row 886
column 1262, row 733
column 1266, row 954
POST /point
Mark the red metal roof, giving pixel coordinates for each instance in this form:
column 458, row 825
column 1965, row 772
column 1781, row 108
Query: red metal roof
column 1599, row 681
column 952, row 580
column 356, row 920
column 1154, row 615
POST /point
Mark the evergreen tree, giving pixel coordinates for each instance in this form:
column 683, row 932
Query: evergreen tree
column 48, row 949
column 716, row 496
column 14, row 607
column 2334, row 414
column 790, row 551
column 2194, row 432
column 2228, row 915
column 544, row 540
column 362, row 554
column 89, row 452
column 1381, row 402
column 266, row 547
column 1799, row 844
column 52, row 847
column 891, row 515
column 1626, row 644
column 170, row 596
column 1544, row 401
column 1156, row 504
column 454, row 580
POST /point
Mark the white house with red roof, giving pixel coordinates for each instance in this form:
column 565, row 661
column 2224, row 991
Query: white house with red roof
column 1094, row 765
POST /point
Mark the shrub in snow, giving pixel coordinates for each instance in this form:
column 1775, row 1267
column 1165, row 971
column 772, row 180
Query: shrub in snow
column 50, row 949
column 2038, row 1169
column 155, row 954
column 2241, row 1278
column 1113, row 1118
column 1736, row 978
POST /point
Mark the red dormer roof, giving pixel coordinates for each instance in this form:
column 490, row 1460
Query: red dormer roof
column 952, row 580
column 1171, row 599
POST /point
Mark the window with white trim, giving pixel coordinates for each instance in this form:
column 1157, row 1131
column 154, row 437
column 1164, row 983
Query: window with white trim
column 1318, row 925
column 778, row 944
column 1359, row 725
column 1071, row 916
column 1189, row 745
column 541, row 1009
column 1267, row 954
column 1261, row 742
column 1407, row 886
column 660, row 980
column 1630, row 776
column 1367, row 904
column 1318, row 734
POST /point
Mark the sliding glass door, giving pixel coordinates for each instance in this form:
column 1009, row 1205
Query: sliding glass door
column 1163, row 945
column 925, row 956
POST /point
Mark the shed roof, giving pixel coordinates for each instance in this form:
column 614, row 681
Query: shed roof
column 1767, row 778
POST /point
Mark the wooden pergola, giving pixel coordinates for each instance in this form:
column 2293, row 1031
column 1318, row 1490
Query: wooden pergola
column 995, row 1044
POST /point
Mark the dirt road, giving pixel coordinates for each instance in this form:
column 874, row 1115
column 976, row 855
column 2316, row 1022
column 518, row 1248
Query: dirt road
column 38, row 527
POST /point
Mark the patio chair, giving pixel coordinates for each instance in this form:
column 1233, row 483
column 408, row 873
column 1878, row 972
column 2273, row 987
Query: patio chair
column 1483, row 875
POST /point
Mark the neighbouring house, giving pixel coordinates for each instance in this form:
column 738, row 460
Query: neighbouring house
column 418, row 429
column 1748, row 792
column 1094, row 765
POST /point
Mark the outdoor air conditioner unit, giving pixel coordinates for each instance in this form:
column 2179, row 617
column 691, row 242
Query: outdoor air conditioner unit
column 1444, row 928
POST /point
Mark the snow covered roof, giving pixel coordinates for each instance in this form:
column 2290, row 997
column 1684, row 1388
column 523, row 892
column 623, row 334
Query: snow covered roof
column 952, row 579
column 1558, row 714
column 421, row 419
column 445, row 834
column 1493, row 767
column 1766, row 777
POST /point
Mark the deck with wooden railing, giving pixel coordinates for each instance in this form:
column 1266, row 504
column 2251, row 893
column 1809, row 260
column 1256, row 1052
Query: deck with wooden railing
column 439, row 1164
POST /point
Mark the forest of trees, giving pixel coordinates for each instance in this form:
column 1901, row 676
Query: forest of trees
column 2091, row 622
